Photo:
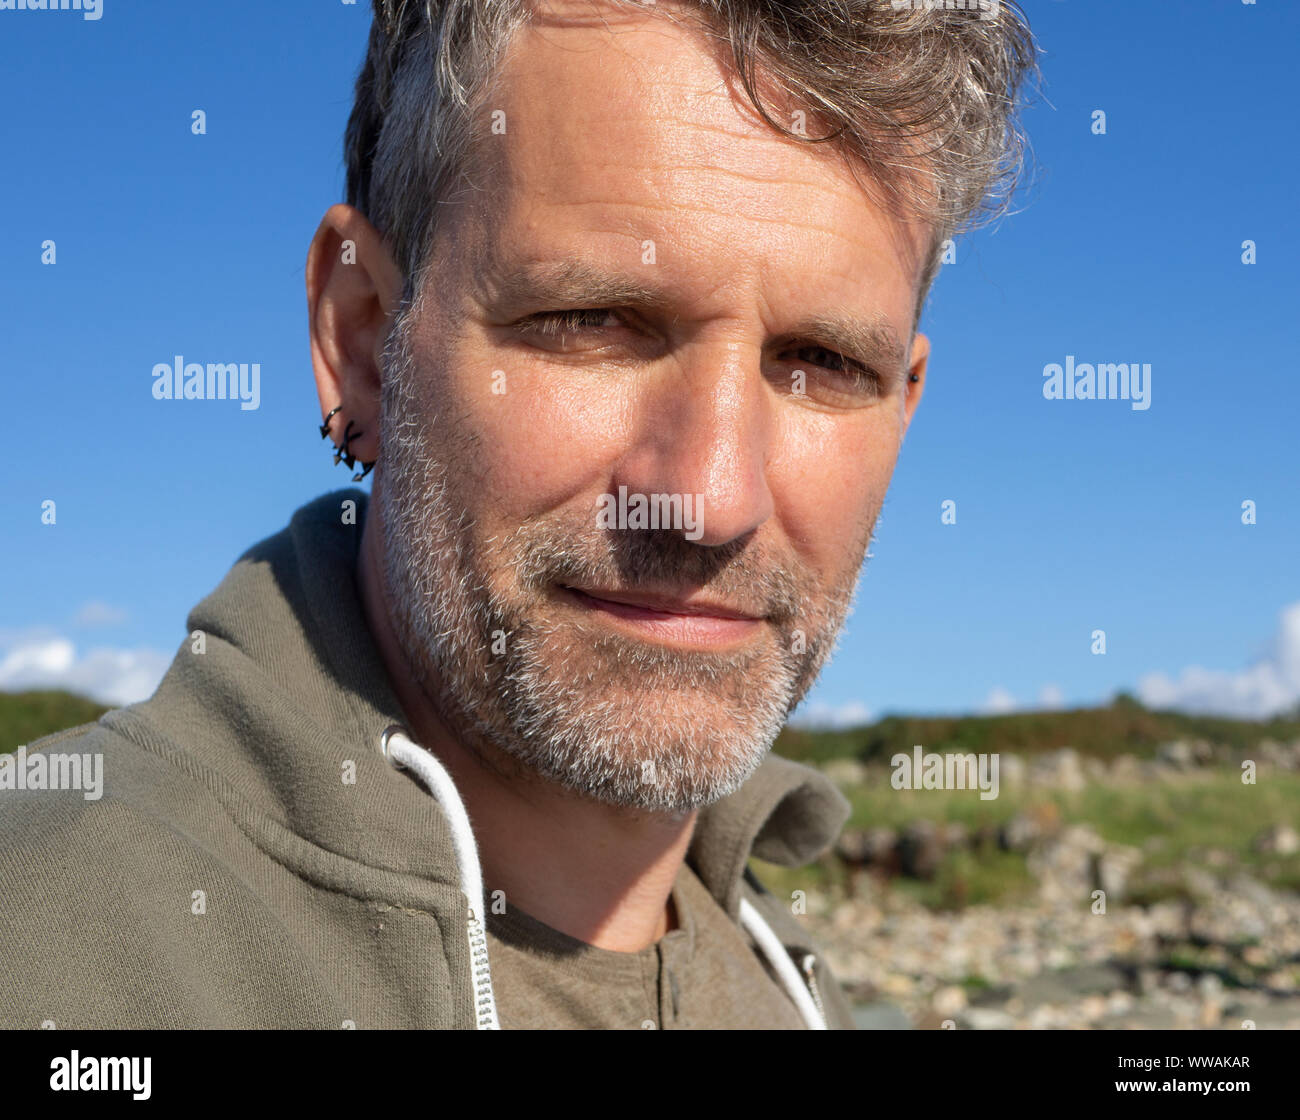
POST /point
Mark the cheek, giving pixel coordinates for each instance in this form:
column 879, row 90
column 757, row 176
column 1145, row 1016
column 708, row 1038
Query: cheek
column 536, row 439
column 830, row 480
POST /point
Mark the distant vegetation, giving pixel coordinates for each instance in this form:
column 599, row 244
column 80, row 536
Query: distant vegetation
column 27, row 716
column 1175, row 821
column 1125, row 727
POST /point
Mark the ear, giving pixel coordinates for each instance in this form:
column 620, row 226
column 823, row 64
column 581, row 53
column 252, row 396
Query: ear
column 916, row 368
column 353, row 288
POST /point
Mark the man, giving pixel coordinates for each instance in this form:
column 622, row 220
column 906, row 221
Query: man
column 633, row 363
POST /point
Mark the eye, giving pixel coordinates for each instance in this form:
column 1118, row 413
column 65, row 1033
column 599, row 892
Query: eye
column 850, row 370
column 557, row 324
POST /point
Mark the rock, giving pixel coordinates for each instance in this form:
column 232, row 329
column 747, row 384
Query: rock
column 992, row 996
column 1152, row 770
column 1058, row 769
column 896, row 984
column 845, row 771
column 881, row 1017
column 1115, row 866
column 1012, row 770
column 1199, row 883
column 1094, row 770
column 852, row 847
column 1282, row 755
column 1281, row 840
column 1066, row 867
column 948, row 1001
column 1018, row 834
column 1124, row 770
column 1280, row 980
column 872, row 847
column 1151, row 1018
column 1067, row 986
column 954, row 834
column 1119, row 1003
column 1092, row 1008
column 1252, row 891
column 919, row 849
column 1257, row 956
column 882, row 847
column 1055, row 964
column 986, row 1019
column 1178, row 755
column 1210, row 985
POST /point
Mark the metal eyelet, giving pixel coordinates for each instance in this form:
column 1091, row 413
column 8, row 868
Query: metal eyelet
column 389, row 731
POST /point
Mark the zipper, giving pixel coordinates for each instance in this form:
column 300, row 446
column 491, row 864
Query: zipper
column 484, row 1013
column 810, row 974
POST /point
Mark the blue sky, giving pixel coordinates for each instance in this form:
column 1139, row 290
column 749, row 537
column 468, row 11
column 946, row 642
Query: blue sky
column 1072, row 515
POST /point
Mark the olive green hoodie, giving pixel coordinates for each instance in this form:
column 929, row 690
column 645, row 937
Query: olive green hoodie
column 256, row 861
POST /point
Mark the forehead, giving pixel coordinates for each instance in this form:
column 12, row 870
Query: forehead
column 624, row 126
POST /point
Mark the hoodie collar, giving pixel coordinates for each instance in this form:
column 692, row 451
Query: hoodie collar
column 786, row 814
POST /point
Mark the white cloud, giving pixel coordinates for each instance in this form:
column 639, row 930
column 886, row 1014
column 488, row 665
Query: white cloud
column 854, row 713
column 96, row 613
column 1051, row 696
column 999, row 701
column 1269, row 686
column 38, row 659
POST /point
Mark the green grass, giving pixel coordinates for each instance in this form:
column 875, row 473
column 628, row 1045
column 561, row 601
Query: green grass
column 28, row 716
column 1183, row 814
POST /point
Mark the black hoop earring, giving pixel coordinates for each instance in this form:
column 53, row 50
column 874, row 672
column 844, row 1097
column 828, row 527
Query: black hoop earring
column 342, row 454
column 325, row 427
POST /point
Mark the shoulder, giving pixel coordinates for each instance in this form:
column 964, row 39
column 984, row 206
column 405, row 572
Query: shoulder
column 99, row 881
column 80, row 789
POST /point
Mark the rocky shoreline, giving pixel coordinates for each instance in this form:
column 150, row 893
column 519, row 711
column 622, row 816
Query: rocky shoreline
column 1227, row 962
column 1221, row 952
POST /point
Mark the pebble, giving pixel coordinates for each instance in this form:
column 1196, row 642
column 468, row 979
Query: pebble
column 932, row 965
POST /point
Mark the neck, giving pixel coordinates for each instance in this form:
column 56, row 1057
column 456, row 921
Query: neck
column 596, row 872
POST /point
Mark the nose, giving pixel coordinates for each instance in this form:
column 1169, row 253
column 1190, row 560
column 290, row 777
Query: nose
column 705, row 430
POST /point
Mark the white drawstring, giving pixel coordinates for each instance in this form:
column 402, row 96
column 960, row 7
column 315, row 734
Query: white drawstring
column 399, row 748
column 775, row 952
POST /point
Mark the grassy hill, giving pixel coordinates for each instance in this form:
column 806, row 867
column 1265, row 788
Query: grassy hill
column 1125, row 727
column 26, row 716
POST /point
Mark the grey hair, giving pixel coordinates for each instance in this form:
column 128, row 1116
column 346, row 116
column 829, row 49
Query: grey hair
column 921, row 94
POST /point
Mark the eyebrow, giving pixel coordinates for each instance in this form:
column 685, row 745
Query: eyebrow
column 574, row 283
column 570, row 281
column 873, row 342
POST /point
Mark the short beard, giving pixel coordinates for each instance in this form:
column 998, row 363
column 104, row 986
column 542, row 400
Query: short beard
column 628, row 723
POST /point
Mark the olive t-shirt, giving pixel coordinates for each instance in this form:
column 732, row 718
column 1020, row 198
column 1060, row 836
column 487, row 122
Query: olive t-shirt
column 704, row 974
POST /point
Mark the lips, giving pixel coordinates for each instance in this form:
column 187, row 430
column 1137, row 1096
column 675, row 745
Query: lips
column 663, row 604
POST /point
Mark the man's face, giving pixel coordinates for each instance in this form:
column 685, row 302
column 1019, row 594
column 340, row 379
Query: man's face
column 704, row 263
